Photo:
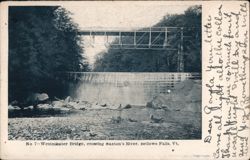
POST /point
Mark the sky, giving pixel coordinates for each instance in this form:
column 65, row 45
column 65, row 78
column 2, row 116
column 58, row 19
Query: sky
column 118, row 15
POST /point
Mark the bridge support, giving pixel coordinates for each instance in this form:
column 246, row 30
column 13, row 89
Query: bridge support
column 180, row 53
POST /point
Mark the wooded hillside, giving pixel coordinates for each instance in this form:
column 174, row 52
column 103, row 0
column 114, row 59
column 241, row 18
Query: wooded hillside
column 43, row 41
column 139, row 60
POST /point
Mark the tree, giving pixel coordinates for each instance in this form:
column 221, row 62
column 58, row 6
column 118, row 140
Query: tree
column 133, row 60
column 43, row 42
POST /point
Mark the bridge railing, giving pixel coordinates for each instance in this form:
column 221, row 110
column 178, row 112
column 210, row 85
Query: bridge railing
column 143, row 38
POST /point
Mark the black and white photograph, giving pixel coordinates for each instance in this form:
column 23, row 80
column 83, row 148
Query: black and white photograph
column 105, row 72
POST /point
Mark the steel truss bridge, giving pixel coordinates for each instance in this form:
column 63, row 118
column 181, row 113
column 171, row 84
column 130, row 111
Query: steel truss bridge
column 178, row 39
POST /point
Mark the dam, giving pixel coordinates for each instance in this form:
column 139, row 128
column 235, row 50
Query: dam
column 135, row 88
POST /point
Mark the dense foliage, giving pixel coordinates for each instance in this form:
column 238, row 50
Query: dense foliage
column 43, row 41
column 122, row 60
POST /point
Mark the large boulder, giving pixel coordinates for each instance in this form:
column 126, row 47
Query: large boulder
column 68, row 99
column 12, row 108
column 59, row 104
column 29, row 108
column 35, row 98
column 44, row 106
column 41, row 97
column 71, row 104
column 127, row 106
column 62, row 105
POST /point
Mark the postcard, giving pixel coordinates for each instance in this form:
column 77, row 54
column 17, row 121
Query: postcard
column 124, row 80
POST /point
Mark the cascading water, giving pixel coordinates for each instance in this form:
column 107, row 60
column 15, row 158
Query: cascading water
column 126, row 87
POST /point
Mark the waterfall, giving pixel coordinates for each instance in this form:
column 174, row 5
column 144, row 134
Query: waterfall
column 136, row 88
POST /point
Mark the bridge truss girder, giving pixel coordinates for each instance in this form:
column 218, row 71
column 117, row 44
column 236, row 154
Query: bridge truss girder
column 153, row 38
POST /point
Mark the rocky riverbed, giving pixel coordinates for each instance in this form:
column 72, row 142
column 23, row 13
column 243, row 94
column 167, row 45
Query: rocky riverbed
column 108, row 124
column 175, row 115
